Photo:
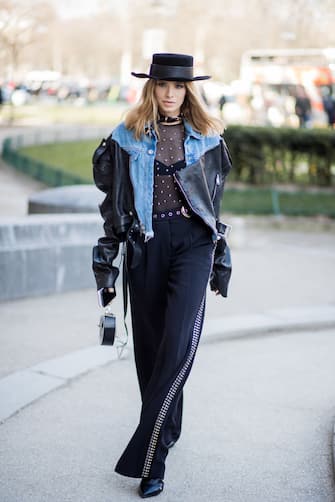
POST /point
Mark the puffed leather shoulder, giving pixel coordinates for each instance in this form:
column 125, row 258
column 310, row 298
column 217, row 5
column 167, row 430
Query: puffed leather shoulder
column 102, row 165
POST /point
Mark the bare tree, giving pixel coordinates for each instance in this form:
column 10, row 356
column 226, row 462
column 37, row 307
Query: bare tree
column 21, row 24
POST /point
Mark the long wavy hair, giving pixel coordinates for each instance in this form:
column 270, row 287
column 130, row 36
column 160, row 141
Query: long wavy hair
column 146, row 112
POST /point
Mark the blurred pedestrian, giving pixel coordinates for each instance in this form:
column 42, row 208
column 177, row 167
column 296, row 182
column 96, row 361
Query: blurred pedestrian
column 163, row 170
column 328, row 102
column 222, row 102
column 303, row 107
column 1, row 97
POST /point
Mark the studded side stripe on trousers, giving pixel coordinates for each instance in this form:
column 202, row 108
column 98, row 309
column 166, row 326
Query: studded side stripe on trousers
column 172, row 392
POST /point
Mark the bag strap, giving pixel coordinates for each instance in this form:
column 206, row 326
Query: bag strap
column 125, row 286
column 123, row 344
column 136, row 255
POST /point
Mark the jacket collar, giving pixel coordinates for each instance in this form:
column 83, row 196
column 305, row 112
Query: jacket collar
column 190, row 131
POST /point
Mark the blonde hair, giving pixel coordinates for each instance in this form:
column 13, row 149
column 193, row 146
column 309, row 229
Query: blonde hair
column 146, row 112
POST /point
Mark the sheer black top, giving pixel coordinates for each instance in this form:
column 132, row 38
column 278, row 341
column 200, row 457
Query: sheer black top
column 168, row 198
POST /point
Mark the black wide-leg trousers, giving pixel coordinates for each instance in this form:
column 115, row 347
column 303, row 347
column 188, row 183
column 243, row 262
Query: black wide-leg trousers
column 167, row 297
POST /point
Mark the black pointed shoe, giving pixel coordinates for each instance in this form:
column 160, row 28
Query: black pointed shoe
column 150, row 487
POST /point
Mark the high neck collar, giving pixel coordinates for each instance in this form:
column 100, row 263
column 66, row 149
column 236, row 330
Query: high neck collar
column 163, row 119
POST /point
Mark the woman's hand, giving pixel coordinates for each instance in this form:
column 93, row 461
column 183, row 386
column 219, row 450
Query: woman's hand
column 108, row 295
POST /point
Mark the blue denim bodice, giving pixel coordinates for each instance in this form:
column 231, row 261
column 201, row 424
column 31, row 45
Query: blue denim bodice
column 142, row 155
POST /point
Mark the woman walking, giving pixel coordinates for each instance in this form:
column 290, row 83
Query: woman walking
column 163, row 170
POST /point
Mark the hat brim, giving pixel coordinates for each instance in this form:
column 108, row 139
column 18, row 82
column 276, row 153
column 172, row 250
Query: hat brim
column 171, row 79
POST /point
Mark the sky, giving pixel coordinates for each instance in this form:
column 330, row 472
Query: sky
column 80, row 8
column 75, row 8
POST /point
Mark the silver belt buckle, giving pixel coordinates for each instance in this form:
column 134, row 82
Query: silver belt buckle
column 184, row 212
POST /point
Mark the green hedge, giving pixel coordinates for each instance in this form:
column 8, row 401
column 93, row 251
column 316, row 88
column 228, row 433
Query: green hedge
column 266, row 155
column 261, row 156
column 264, row 201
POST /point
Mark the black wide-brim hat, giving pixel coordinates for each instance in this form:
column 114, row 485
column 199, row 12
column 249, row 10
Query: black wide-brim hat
column 175, row 67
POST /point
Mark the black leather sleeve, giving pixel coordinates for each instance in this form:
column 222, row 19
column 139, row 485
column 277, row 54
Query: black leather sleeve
column 111, row 175
column 222, row 265
column 104, row 254
column 225, row 167
column 102, row 165
column 106, row 250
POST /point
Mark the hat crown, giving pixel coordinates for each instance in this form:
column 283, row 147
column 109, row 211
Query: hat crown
column 169, row 59
column 170, row 66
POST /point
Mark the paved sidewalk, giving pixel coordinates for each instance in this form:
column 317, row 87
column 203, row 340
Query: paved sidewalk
column 257, row 427
column 281, row 281
column 16, row 187
column 15, row 190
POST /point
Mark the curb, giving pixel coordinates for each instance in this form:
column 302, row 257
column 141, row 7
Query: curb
column 272, row 321
column 21, row 388
column 24, row 387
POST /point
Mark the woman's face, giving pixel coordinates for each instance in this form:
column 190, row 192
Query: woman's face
column 170, row 96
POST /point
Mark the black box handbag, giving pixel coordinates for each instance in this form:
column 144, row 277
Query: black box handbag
column 107, row 324
column 107, row 330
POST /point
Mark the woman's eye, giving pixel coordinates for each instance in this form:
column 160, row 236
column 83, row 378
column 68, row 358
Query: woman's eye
column 161, row 84
column 180, row 86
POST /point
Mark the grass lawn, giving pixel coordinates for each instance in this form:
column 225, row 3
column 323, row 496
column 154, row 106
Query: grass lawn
column 75, row 158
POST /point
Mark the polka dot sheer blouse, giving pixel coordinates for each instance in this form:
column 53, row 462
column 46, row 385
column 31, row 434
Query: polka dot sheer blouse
column 168, row 199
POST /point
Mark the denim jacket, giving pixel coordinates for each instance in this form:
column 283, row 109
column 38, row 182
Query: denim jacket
column 142, row 155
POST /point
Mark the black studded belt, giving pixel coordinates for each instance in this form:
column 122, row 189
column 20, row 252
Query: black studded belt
column 172, row 213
